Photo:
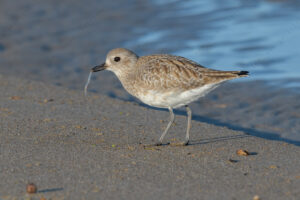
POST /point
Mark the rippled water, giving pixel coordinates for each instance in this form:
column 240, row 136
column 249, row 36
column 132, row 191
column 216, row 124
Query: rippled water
column 260, row 36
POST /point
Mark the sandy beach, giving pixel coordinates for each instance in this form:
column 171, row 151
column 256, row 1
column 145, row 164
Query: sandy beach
column 77, row 147
column 74, row 147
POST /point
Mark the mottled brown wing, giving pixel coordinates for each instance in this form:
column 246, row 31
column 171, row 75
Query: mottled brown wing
column 167, row 72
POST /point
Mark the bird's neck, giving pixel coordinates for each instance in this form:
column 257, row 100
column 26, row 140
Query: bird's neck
column 128, row 79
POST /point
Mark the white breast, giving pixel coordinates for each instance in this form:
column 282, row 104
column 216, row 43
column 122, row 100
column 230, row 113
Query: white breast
column 174, row 98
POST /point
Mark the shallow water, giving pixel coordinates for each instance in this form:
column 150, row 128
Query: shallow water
column 259, row 36
column 59, row 41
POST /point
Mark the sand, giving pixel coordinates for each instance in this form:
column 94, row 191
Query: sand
column 74, row 147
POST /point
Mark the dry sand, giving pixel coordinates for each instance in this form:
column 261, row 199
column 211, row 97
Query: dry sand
column 74, row 147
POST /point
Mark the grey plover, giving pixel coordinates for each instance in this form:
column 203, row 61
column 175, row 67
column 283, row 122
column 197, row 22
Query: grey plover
column 164, row 81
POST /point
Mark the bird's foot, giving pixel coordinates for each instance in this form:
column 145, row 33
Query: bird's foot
column 160, row 143
column 187, row 142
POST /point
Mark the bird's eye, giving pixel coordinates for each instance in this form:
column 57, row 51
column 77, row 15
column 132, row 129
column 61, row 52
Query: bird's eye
column 117, row 59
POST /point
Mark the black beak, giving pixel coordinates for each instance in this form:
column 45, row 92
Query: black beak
column 98, row 68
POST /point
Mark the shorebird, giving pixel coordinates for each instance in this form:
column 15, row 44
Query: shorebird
column 165, row 81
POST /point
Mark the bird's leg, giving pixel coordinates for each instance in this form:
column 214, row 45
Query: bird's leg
column 189, row 115
column 172, row 117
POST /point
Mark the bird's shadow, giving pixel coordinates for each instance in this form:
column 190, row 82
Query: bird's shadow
column 50, row 190
column 248, row 131
column 216, row 139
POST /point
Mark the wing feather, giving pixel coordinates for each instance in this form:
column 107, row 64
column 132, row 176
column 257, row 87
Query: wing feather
column 175, row 72
column 166, row 71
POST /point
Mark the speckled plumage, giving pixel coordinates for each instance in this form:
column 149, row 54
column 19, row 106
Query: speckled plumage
column 165, row 81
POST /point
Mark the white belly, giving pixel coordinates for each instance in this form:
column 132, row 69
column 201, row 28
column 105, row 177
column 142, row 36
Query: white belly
column 174, row 98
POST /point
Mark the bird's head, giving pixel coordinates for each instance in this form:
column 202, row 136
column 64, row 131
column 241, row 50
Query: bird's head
column 118, row 61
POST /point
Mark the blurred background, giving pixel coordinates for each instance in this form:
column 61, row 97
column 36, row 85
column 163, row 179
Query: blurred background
column 58, row 41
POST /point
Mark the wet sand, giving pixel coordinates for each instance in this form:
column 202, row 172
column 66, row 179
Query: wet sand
column 74, row 147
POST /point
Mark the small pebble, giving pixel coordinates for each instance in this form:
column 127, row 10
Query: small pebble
column 31, row 188
column 256, row 197
column 15, row 98
column 242, row 152
column 48, row 100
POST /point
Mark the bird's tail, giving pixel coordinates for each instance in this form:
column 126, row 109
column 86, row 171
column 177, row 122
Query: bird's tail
column 215, row 76
column 241, row 73
column 224, row 74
